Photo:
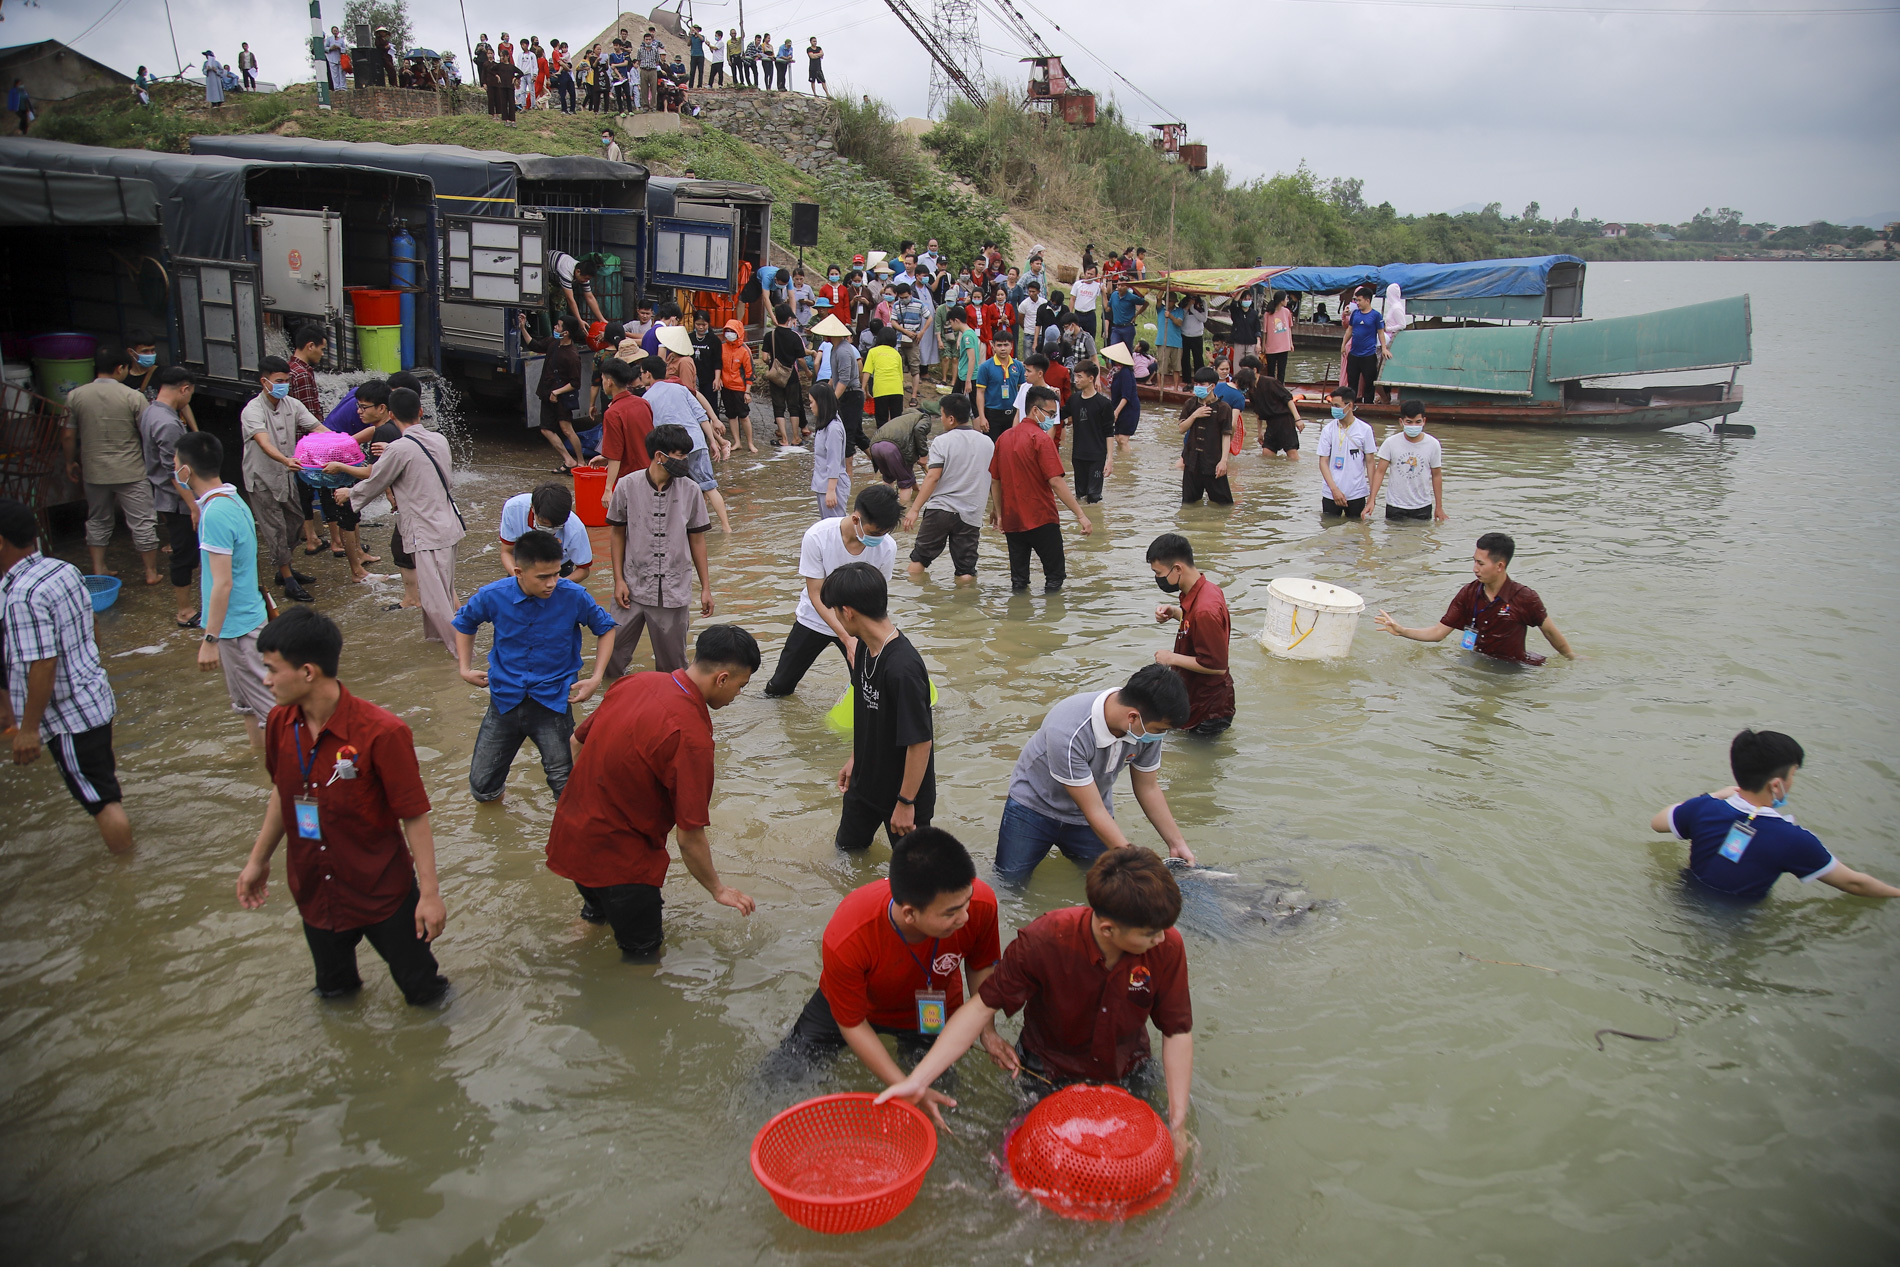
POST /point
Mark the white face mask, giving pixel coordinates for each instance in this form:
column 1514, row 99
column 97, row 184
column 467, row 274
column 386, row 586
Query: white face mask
column 1413, row 430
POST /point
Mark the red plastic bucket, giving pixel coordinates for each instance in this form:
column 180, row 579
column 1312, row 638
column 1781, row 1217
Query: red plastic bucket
column 590, row 487
column 377, row 307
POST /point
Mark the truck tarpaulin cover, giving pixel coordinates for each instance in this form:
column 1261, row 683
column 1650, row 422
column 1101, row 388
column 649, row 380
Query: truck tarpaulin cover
column 66, row 199
column 1478, row 279
column 202, row 198
column 472, row 182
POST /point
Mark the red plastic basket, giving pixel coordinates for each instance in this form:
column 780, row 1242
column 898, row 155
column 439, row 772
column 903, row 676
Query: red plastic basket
column 1090, row 1152
column 841, row 1164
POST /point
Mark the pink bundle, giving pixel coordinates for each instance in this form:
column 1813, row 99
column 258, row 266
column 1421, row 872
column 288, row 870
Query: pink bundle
column 320, row 447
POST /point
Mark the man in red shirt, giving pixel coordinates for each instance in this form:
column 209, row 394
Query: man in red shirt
column 1026, row 478
column 896, row 954
column 644, row 768
column 626, row 422
column 345, row 782
column 1088, row 979
column 1493, row 611
column 1200, row 648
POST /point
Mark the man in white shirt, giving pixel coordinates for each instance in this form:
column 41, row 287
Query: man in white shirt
column 863, row 536
column 1082, row 300
column 1346, row 446
column 1409, row 470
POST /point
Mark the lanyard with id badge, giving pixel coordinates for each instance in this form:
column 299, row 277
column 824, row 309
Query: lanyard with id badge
column 1741, row 834
column 932, row 1003
column 309, row 819
column 1470, row 641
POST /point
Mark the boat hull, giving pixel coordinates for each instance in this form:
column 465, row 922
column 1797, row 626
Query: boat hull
column 1584, row 409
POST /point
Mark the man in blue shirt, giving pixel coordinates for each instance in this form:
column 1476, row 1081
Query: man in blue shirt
column 363, row 408
column 1741, row 840
column 998, row 382
column 532, row 665
column 232, row 611
column 550, row 507
column 1123, row 307
column 1368, row 347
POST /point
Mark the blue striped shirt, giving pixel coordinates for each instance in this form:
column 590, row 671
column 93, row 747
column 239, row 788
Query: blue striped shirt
column 48, row 615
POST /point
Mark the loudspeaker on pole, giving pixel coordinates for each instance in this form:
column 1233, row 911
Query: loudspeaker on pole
column 804, row 224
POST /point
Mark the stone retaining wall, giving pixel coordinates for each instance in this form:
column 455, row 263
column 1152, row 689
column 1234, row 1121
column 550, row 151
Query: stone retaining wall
column 802, row 130
column 406, row 103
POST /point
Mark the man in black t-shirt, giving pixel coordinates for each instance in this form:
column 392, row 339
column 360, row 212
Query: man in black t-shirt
column 891, row 777
column 1092, row 416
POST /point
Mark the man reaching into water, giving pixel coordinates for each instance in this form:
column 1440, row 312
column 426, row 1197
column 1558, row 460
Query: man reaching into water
column 1493, row 611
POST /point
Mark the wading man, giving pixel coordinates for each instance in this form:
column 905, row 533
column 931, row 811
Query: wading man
column 1493, row 611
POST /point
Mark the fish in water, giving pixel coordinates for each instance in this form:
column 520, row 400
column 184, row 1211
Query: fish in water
column 1226, row 903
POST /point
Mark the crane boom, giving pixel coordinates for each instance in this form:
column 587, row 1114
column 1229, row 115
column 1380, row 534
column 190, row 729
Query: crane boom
column 914, row 23
column 1020, row 28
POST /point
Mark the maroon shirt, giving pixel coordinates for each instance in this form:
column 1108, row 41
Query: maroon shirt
column 303, row 386
column 1080, row 1019
column 1024, row 462
column 646, row 767
column 1501, row 622
column 360, row 871
column 1204, row 631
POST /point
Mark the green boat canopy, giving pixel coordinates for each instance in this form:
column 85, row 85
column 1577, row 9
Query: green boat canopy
column 1506, row 360
column 1489, row 360
column 1713, row 335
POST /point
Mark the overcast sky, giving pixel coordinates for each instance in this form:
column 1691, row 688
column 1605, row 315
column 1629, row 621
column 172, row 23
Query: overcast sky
column 1646, row 116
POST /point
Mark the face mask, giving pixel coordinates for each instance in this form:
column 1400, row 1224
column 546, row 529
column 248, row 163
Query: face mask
column 1246, row 303
column 872, row 543
column 1779, row 801
column 730, row 336
column 1338, row 412
column 182, row 477
column 1200, row 389
column 675, row 467
column 1047, row 422
column 834, row 277
column 146, row 360
column 1414, row 430
column 1144, row 737
column 1167, row 586
column 606, row 140
column 280, row 390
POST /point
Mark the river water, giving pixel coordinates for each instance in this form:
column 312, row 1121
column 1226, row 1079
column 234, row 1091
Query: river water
column 170, row 1091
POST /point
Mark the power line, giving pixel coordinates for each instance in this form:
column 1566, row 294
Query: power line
column 1166, row 113
column 102, row 17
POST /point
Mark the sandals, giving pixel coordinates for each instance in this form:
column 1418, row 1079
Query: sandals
column 194, row 623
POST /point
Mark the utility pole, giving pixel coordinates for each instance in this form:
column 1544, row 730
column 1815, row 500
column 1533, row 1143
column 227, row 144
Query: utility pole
column 317, row 54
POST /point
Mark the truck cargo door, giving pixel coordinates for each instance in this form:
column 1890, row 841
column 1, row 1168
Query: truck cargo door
column 691, row 254
column 495, row 261
column 303, row 260
column 221, row 317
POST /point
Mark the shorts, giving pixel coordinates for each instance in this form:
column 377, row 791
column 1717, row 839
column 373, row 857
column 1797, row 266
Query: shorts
column 888, row 461
column 244, row 676
column 1353, row 509
column 940, row 527
column 85, row 761
column 404, row 561
column 738, row 405
column 907, row 352
column 1126, row 424
column 1407, row 512
column 699, row 470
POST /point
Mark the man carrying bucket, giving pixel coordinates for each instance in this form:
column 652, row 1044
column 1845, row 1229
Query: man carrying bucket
column 1087, row 979
column 896, row 955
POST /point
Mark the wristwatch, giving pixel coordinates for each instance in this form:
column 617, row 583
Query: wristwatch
column 212, row 639
column 905, row 800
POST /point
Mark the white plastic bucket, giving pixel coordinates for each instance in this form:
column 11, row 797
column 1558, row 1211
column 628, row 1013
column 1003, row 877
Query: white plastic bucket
column 1310, row 620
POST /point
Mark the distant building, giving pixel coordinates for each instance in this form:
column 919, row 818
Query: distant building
column 52, row 72
column 1615, row 231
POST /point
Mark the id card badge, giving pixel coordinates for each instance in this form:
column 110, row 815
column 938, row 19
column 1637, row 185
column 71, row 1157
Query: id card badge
column 1339, row 461
column 308, row 826
column 1739, row 836
column 930, row 1011
column 1470, row 640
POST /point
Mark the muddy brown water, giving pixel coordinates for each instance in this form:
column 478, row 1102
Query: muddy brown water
column 170, row 1091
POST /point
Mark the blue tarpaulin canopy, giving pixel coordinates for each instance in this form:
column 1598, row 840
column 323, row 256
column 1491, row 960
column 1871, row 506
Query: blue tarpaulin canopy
column 1476, row 280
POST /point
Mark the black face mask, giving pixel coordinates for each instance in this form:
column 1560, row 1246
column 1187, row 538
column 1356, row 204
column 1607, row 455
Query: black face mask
column 1167, row 586
column 676, row 467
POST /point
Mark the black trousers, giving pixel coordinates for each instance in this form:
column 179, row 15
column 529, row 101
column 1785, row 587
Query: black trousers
column 1046, row 541
column 1194, row 484
column 1353, row 509
column 886, row 408
column 801, row 650
column 411, row 963
column 862, row 816
column 717, row 75
column 184, row 543
column 1275, row 363
column 816, row 1033
column 1362, row 375
column 1408, row 513
column 1193, row 352
column 696, row 75
column 632, row 909
column 851, row 413
column 1088, row 479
